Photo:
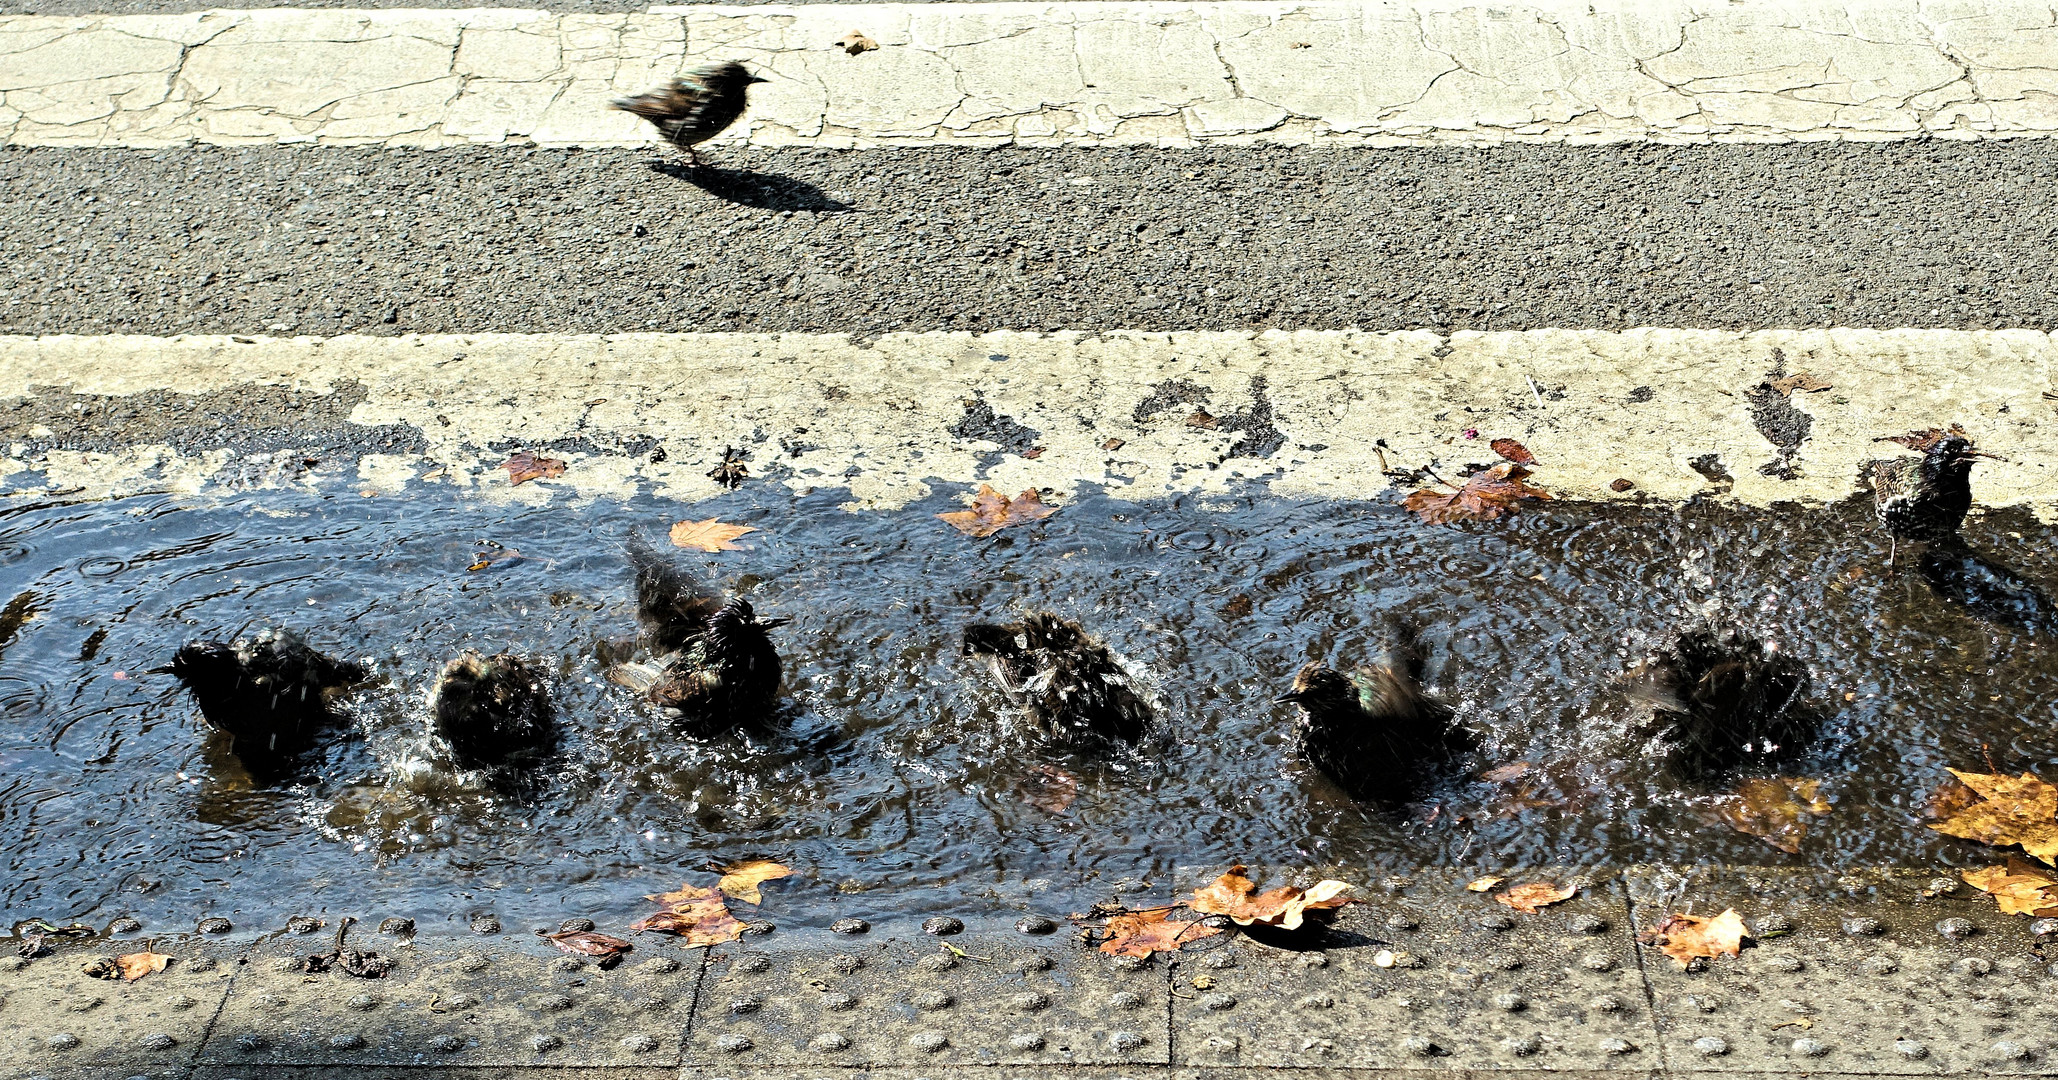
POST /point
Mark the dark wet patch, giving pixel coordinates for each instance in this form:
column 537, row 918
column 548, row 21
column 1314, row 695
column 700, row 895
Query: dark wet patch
column 1640, row 395
column 1776, row 418
column 300, row 428
column 623, row 445
column 981, row 422
column 1710, row 467
column 1168, row 395
column 1258, row 436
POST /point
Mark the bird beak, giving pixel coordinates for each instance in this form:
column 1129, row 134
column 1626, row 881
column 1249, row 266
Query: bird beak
column 759, row 79
column 1283, row 699
column 770, row 623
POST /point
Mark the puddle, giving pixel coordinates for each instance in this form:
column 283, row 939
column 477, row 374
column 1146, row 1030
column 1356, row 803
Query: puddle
column 892, row 775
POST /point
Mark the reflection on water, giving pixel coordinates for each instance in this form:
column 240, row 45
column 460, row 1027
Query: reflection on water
column 891, row 767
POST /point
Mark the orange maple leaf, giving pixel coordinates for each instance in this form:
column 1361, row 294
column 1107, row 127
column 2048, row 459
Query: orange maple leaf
column 740, row 881
column 1531, row 898
column 700, row 916
column 2013, row 810
column 2019, row 887
column 709, row 535
column 1487, row 494
column 1686, row 938
column 1141, row 933
column 991, row 512
column 1238, row 897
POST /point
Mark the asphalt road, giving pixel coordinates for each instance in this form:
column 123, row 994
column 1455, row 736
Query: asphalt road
column 328, row 240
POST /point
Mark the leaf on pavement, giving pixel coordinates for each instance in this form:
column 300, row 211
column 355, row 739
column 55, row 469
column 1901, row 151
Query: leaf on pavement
column 136, row 965
column 1513, row 451
column 1286, row 907
column 1771, row 808
column 1926, row 438
column 740, row 881
column 1141, row 933
column 856, row 42
column 700, row 916
column 1687, row 938
column 1800, row 380
column 1535, row 896
column 1483, row 884
column 2013, row 810
column 991, row 512
column 2020, row 887
column 1487, row 494
column 525, row 466
column 709, row 535
column 589, row 943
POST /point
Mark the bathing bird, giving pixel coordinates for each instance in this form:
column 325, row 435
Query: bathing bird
column 1925, row 498
column 493, row 710
column 1719, row 702
column 716, row 661
column 270, row 693
column 1069, row 685
column 1374, row 730
column 695, row 107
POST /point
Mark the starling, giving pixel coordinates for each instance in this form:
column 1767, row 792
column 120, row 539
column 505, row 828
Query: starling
column 716, row 662
column 1718, row 703
column 1374, row 730
column 1068, row 684
column 271, row 694
column 694, row 108
column 1925, row 499
column 493, row 710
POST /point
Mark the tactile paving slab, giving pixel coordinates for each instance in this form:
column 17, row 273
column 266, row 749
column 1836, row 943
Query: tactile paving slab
column 55, row 1018
column 1424, row 975
column 457, row 1002
column 821, row 999
column 1905, row 972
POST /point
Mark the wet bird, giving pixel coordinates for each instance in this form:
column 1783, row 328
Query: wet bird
column 695, row 107
column 1374, row 730
column 1068, row 684
column 1720, row 702
column 1924, row 499
column 716, row 661
column 271, row 693
column 493, row 711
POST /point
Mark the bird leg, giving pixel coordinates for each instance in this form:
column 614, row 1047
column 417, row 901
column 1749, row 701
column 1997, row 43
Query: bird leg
column 1893, row 548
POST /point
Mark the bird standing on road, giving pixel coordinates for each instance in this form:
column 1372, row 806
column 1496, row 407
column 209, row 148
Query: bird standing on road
column 1373, row 730
column 695, row 107
column 1925, row 499
column 1068, row 684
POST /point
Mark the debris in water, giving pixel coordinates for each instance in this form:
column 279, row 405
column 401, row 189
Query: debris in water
column 1487, row 494
column 699, row 916
column 991, row 512
column 709, row 535
column 2020, row 887
column 1285, row 907
column 1771, row 808
column 608, row 950
column 525, row 466
column 731, row 472
column 490, row 552
column 740, row 881
column 2013, row 810
column 1691, row 938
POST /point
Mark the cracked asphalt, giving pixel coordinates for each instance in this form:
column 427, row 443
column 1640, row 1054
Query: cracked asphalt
column 324, row 240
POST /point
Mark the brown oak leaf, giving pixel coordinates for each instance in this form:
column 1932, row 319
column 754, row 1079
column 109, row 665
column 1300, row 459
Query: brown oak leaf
column 1771, row 808
column 1487, row 494
column 991, row 512
column 709, row 535
column 525, row 466
column 1535, row 896
column 740, row 881
column 1286, row 907
column 592, row 943
column 1687, row 938
column 700, row 916
column 1513, row 451
column 2012, row 810
column 136, row 965
column 2019, row 887
column 1141, row 933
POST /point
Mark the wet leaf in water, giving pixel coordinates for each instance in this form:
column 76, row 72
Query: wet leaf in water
column 490, row 552
column 700, row 916
column 1501, row 774
column 1800, row 380
column 856, row 42
column 1487, row 494
column 1141, row 933
column 1052, row 789
column 1513, row 451
column 1537, row 895
column 136, row 965
column 2021, row 888
column 525, row 466
column 740, row 881
column 991, row 512
column 709, row 535
column 1483, row 884
column 1238, row 897
column 2014, row 810
column 1926, row 438
column 1687, row 938
column 1771, row 808
column 607, row 949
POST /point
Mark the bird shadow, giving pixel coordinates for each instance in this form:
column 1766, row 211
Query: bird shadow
column 1987, row 590
column 762, row 191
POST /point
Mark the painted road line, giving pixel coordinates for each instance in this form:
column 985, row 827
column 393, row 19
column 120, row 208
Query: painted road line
column 1158, row 73
column 1681, row 413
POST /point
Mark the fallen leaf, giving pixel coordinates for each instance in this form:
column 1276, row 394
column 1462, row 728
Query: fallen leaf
column 1513, row 451
column 730, row 472
column 1926, row 438
column 607, row 949
column 1687, row 938
column 2019, row 887
column 525, row 466
column 1201, row 418
column 740, row 880
column 136, row 965
column 1501, row 774
column 1483, row 884
column 856, row 42
column 1771, row 808
column 701, row 916
column 1033, row 453
column 1621, row 484
column 1053, row 790
column 1487, row 494
column 1112, row 444
column 2015, row 810
column 1801, row 381
column 1535, row 896
column 991, row 512
column 709, row 535
column 1141, row 933
column 1286, row 907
